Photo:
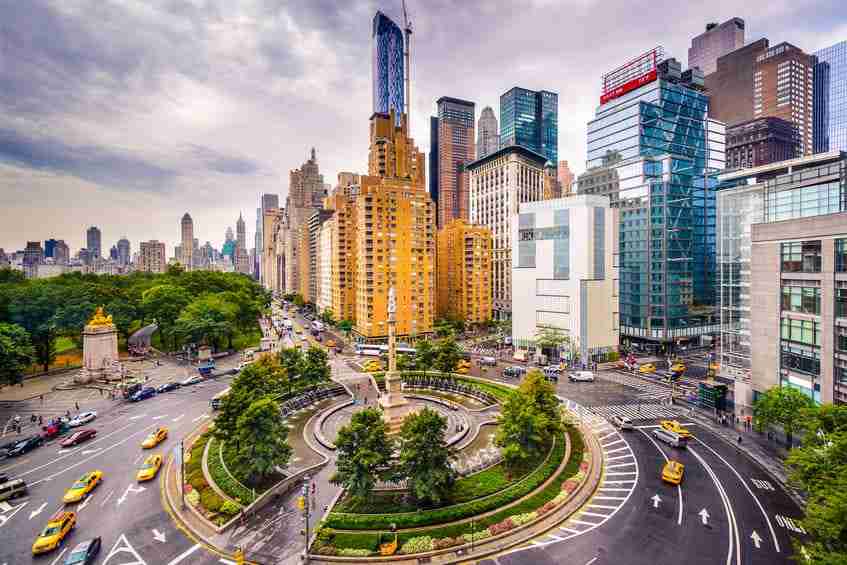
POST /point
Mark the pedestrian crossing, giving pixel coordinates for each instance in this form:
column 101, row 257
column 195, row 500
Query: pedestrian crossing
column 635, row 411
column 645, row 386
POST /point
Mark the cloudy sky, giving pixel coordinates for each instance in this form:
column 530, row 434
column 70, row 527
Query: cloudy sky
column 126, row 114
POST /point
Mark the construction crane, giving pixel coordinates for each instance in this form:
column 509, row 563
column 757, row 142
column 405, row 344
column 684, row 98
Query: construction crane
column 407, row 34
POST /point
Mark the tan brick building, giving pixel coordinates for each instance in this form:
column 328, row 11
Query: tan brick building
column 464, row 272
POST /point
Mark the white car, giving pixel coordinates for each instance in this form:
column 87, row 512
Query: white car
column 192, row 380
column 621, row 422
column 82, row 419
column 581, row 376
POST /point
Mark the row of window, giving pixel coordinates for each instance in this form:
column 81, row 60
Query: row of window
column 805, row 256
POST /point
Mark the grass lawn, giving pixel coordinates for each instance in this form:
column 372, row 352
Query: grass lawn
column 64, row 344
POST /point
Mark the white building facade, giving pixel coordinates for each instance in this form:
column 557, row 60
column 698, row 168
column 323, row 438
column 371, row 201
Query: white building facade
column 499, row 183
column 324, row 270
column 565, row 275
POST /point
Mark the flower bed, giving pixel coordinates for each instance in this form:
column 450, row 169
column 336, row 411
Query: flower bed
column 198, row 492
column 223, row 479
column 350, row 521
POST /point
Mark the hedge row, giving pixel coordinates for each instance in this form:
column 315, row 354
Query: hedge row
column 218, row 510
column 349, row 521
column 223, row 479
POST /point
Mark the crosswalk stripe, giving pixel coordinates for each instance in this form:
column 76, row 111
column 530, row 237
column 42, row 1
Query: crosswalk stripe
column 616, row 450
column 569, row 530
column 619, row 457
column 617, row 465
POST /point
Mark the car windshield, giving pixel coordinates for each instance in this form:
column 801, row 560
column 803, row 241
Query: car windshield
column 148, row 465
column 80, row 483
column 51, row 530
column 78, row 556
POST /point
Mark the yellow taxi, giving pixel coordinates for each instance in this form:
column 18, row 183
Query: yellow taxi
column 675, row 427
column 54, row 533
column 678, row 367
column 672, row 472
column 373, row 366
column 149, row 468
column 647, row 369
column 155, row 438
column 330, row 343
column 82, row 487
column 462, row 370
column 714, row 367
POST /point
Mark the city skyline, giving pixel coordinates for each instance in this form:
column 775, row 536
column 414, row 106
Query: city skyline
column 213, row 158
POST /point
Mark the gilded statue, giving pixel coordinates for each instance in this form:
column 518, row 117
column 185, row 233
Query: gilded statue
column 100, row 319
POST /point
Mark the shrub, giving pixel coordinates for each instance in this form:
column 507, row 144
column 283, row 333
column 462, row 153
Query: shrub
column 444, row 543
column 419, row 544
column 210, row 500
column 501, row 527
column 193, row 498
column 222, row 478
column 477, row 536
column 197, row 481
column 349, row 552
column 570, row 485
column 526, row 518
column 546, row 508
column 356, row 540
column 327, row 550
column 230, row 508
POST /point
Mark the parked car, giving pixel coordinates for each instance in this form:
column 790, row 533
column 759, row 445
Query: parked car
column 193, row 380
column 514, row 371
column 7, row 447
column 85, row 553
column 581, row 376
column 621, row 422
column 143, row 394
column 167, row 387
column 78, row 437
column 25, row 446
column 83, row 418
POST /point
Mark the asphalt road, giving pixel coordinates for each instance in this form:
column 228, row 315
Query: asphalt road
column 128, row 516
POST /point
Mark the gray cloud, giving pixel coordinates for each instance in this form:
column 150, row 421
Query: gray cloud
column 220, row 163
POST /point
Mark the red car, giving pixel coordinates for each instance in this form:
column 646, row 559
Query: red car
column 78, row 437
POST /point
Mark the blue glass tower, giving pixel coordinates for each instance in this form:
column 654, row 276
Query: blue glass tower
column 830, row 114
column 653, row 142
column 531, row 119
column 387, row 66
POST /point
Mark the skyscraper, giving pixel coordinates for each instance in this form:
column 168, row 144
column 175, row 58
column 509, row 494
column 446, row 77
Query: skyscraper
column 783, row 87
column 664, row 185
column 242, row 257
column 717, row 40
column 152, row 257
column 566, row 178
column 124, row 252
column 61, row 253
column 455, row 146
column 488, row 133
column 530, row 119
column 49, row 246
column 187, row 245
column 387, row 67
column 241, row 232
column 433, row 158
column 92, row 242
column 830, row 125
column 730, row 86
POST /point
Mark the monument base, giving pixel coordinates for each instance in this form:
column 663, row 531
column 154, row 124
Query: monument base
column 395, row 410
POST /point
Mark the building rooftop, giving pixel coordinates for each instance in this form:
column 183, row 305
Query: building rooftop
column 771, row 168
column 540, row 159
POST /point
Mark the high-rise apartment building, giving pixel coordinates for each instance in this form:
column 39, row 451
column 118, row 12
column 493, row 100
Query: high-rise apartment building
column 530, row 119
column 152, row 257
column 830, row 128
column 324, row 277
column 782, row 260
column 454, row 147
column 783, row 87
column 242, row 256
column 433, row 158
column 272, row 256
column 93, row 239
column 730, row 86
column 652, row 137
column 759, row 142
column 186, row 255
column 343, row 233
column 499, row 182
column 387, row 67
column 488, row 133
column 564, row 275
column 463, row 264
column 61, row 253
column 124, row 252
column 566, row 179
column 312, row 283
column 717, row 40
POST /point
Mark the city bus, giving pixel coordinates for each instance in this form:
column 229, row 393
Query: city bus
column 371, row 350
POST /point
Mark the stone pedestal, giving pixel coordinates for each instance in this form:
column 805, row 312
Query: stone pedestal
column 395, row 406
column 100, row 354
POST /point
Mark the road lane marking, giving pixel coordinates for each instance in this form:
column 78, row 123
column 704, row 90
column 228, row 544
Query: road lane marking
column 128, row 490
column 757, row 539
column 158, row 536
column 159, row 417
column 605, row 445
column 569, row 530
column 678, row 487
column 619, row 457
column 656, row 500
column 616, row 450
column 108, row 496
column 137, row 417
column 730, row 513
column 38, row 510
column 69, row 454
column 89, row 458
column 184, row 554
column 755, row 498
column 603, row 506
column 59, row 556
column 605, row 436
column 6, row 517
column 619, row 465
column 200, row 417
column 85, row 502
column 178, row 418
column 123, row 546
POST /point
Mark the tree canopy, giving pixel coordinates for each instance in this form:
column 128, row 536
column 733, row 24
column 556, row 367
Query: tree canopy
column 425, row 459
column 16, row 353
column 261, row 439
column 783, row 406
column 364, row 453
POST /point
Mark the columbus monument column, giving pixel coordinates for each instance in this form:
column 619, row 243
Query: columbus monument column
column 395, row 406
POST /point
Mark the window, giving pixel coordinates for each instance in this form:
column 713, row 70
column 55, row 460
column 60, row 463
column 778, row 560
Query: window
column 841, row 255
column 803, row 360
column 801, row 331
column 802, row 299
column 841, row 302
column 801, row 257
column 841, row 339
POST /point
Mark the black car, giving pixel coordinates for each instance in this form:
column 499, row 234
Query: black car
column 4, row 478
column 84, row 553
column 143, row 394
column 7, row 447
column 168, row 387
column 25, row 446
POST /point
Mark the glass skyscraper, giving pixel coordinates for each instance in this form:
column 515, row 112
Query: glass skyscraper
column 387, row 67
column 658, row 151
column 830, row 114
column 530, row 119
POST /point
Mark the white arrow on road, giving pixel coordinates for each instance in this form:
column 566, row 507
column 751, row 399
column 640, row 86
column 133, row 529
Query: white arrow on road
column 84, row 502
column 704, row 514
column 4, row 507
column 128, row 490
column 6, row 517
column 158, row 536
column 178, row 418
column 90, row 451
column 656, row 500
column 757, row 539
column 40, row 509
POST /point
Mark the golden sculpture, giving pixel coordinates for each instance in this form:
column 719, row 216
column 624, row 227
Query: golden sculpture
column 100, row 319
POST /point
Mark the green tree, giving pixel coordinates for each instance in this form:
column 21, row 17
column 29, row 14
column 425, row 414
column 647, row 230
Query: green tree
column 16, row 353
column 551, row 338
column 444, row 327
column 206, row 320
column 447, row 354
column 124, row 313
column 316, row 365
column 328, row 317
column 293, row 361
column 261, row 440
column 33, row 307
column 425, row 355
column 783, row 406
column 164, row 303
column 255, row 381
column 345, row 326
column 364, row 453
column 11, row 276
column 405, row 362
column 298, row 301
column 425, row 458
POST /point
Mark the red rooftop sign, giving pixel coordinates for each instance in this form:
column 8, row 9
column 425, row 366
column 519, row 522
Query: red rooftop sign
column 629, row 86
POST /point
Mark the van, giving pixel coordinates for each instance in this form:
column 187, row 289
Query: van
column 11, row 489
column 492, row 361
column 670, row 438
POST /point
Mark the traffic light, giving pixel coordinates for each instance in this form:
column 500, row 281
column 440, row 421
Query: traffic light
column 301, row 502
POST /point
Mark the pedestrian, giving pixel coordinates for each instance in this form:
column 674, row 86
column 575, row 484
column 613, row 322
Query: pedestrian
column 42, row 399
column 739, row 441
column 40, row 420
column 76, row 405
column 68, row 414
